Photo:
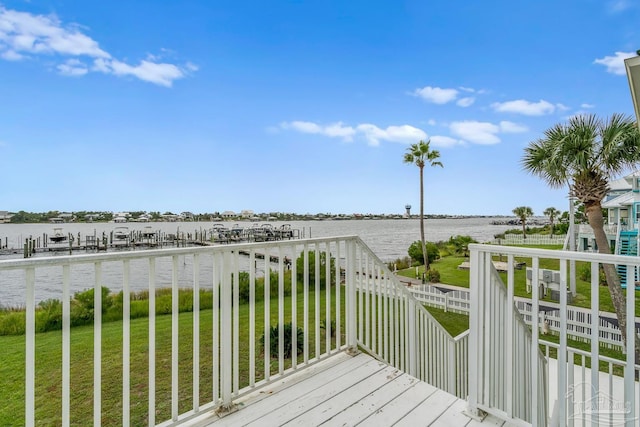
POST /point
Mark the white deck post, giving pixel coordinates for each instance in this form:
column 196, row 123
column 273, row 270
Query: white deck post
column 411, row 335
column 226, row 361
column 30, row 350
column 630, row 369
column 351, row 314
column 475, row 326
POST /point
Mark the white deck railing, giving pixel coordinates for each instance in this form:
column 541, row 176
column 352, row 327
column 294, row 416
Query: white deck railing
column 205, row 359
column 498, row 376
column 458, row 300
column 395, row 326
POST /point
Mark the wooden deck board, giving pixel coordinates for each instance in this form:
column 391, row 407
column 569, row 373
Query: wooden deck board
column 346, row 391
column 376, row 399
column 427, row 411
column 324, row 390
column 327, row 409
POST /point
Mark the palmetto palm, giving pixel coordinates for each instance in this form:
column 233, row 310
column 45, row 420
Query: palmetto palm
column 523, row 212
column 585, row 154
column 552, row 213
column 421, row 154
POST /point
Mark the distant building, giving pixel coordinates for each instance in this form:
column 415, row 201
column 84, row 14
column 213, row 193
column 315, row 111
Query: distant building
column 228, row 214
column 66, row 216
column 91, row 217
column 5, row 216
column 247, row 213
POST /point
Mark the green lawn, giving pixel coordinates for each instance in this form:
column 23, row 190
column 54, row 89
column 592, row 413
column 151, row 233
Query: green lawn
column 451, row 275
column 49, row 360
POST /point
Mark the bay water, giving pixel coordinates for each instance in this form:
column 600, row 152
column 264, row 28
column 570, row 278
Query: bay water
column 389, row 239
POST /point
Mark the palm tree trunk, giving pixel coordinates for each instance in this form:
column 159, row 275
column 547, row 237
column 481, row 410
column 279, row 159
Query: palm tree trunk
column 596, row 221
column 422, row 241
column 524, row 228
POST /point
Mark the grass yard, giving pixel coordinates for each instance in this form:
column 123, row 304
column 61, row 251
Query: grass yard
column 49, row 361
column 450, row 274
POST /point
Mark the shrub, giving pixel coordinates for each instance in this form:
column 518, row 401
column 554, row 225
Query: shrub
column 243, row 285
column 12, row 323
column 332, row 326
column 584, row 273
column 49, row 315
column 415, row 252
column 399, row 263
column 274, row 340
column 432, row 275
column 312, row 269
column 460, row 244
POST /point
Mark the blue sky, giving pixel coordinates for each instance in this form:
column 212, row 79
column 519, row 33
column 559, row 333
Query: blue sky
column 296, row 106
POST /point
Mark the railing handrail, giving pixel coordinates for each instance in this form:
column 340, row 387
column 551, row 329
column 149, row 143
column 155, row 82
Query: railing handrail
column 557, row 254
column 400, row 287
column 410, row 337
column 158, row 253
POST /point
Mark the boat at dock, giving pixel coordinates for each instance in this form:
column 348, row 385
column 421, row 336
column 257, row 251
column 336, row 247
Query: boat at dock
column 120, row 233
column 148, row 232
column 58, row 236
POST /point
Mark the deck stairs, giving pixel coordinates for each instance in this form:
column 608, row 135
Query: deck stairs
column 627, row 245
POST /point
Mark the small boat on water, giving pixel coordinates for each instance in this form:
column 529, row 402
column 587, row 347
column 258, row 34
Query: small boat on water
column 58, row 235
column 148, row 232
column 120, row 233
column 285, row 231
column 263, row 233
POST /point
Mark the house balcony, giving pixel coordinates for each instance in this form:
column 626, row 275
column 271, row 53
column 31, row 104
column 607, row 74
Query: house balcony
column 303, row 332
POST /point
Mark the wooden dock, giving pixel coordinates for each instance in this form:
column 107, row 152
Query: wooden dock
column 145, row 239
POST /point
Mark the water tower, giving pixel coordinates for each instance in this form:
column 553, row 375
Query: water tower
column 408, row 208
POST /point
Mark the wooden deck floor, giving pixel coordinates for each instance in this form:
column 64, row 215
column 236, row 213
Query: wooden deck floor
column 347, row 391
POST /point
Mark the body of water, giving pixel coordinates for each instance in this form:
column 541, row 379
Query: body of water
column 389, row 239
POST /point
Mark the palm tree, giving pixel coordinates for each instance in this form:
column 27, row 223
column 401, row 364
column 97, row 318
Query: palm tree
column 421, row 154
column 523, row 212
column 552, row 213
column 585, row 154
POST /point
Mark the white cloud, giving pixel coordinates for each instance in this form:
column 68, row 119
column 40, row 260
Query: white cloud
column 371, row 133
column 585, row 105
column 562, row 107
column 467, row 89
column 465, row 102
column 24, row 35
column 436, row 95
column 338, row 130
column 444, row 141
column 510, row 127
column 335, row 130
column 615, row 63
column 73, row 67
column 524, row 107
column 300, row 126
column 476, row 132
column 36, row 34
column 431, row 122
column 404, row 134
column 11, row 55
column 161, row 74
column 616, row 6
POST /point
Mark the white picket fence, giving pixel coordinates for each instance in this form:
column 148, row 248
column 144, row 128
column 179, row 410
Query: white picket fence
column 532, row 239
column 456, row 299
